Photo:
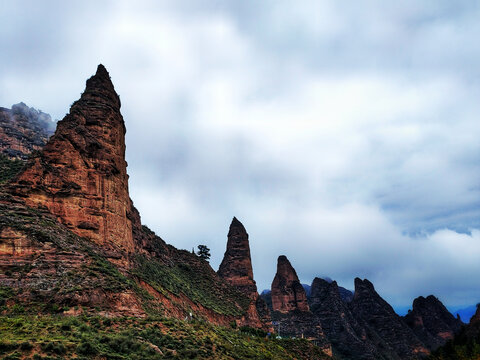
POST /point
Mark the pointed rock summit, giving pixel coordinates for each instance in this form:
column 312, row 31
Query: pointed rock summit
column 81, row 174
column 236, row 266
column 378, row 316
column 342, row 329
column 432, row 322
column 287, row 292
column 236, row 269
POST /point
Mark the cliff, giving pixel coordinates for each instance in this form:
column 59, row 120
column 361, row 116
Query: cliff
column 81, row 174
column 236, row 269
column 287, row 293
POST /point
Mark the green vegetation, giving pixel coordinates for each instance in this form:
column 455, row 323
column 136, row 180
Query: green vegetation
column 465, row 346
column 194, row 280
column 203, row 252
column 9, row 168
column 62, row 337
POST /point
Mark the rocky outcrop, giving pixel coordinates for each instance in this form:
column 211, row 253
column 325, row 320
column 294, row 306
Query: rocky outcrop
column 432, row 322
column 291, row 314
column 236, row 269
column 398, row 341
column 287, row 293
column 23, row 130
column 236, row 266
column 347, row 336
column 81, row 174
column 71, row 237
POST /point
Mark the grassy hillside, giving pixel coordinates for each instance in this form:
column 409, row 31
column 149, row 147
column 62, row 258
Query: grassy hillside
column 82, row 337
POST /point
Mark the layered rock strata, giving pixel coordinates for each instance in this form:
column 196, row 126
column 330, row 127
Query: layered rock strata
column 288, row 293
column 81, row 174
column 236, row 269
column 236, row 266
column 291, row 314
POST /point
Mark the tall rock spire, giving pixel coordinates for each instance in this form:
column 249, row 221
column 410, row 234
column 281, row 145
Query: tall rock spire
column 236, row 269
column 287, row 292
column 236, row 266
column 81, row 174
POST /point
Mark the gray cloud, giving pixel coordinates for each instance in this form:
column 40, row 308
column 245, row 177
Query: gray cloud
column 343, row 137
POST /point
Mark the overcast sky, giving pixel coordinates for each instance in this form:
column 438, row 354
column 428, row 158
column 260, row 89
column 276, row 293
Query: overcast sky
column 343, row 135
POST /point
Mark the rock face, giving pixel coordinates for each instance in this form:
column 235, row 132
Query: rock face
column 288, row 293
column 347, row 336
column 23, row 130
column 236, row 266
column 398, row 340
column 291, row 314
column 81, row 174
column 236, row 269
column 432, row 322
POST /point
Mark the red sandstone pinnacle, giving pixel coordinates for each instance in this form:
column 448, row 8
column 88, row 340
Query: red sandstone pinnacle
column 81, row 174
column 236, row 266
column 287, row 292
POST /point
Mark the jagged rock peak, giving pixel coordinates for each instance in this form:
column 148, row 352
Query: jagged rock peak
column 236, row 227
column 369, row 308
column 363, row 284
column 321, row 286
column 236, row 266
column 80, row 176
column 99, row 88
column 431, row 321
column 236, row 269
column 287, row 292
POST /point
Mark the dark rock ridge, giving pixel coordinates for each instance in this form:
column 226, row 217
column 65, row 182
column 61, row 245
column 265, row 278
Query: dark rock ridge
column 236, row 269
column 382, row 321
column 347, row 336
column 432, row 322
column 287, row 293
column 23, row 130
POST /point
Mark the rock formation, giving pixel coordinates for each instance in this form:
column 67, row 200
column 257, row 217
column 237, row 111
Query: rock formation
column 288, row 293
column 382, row 321
column 236, row 266
column 291, row 314
column 236, row 269
column 23, row 130
column 347, row 336
column 432, row 322
column 70, row 236
column 81, row 174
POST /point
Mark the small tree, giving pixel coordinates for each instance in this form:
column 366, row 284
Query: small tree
column 203, row 252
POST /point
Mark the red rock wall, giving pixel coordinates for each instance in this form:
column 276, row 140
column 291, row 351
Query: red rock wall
column 81, row 174
column 287, row 292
